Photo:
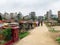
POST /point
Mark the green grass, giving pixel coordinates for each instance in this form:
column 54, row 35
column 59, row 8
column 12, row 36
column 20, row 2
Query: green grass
column 22, row 35
column 58, row 39
column 53, row 30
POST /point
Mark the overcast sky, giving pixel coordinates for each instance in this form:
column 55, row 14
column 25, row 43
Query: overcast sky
column 26, row 6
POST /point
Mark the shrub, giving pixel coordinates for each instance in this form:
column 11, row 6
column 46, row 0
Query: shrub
column 7, row 33
column 52, row 30
column 58, row 39
column 2, row 42
column 22, row 35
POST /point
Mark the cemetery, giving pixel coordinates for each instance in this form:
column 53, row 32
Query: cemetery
column 54, row 29
column 12, row 32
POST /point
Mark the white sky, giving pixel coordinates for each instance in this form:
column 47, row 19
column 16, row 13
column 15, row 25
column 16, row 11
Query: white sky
column 26, row 6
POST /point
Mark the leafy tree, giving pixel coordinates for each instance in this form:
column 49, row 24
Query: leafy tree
column 0, row 17
column 55, row 19
column 19, row 16
column 33, row 16
column 7, row 33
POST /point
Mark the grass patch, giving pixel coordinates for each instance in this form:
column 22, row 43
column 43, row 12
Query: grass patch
column 58, row 39
column 53, row 30
column 24, row 34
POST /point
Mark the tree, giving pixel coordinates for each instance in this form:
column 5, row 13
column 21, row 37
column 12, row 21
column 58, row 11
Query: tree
column 19, row 16
column 33, row 16
column 7, row 33
column 0, row 17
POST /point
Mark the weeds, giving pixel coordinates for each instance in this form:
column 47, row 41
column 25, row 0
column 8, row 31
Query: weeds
column 22, row 35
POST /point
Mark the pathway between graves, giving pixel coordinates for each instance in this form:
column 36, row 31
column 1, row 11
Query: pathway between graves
column 38, row 36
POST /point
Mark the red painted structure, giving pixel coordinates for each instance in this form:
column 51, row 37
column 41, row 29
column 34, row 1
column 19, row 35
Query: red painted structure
column 15, row 33
column 15, row 37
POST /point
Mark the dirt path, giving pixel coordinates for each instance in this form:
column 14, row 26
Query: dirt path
column 38, row 36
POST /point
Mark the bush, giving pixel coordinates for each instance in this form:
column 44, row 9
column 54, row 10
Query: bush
column 2, row 42
column 58, row 39
column 22, row 35
column 7, row 33
column 52, row 30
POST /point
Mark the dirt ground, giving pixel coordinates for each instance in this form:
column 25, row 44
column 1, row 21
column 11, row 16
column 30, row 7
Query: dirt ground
column 38, row 36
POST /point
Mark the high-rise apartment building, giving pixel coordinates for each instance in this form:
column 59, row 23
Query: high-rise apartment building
column 48, row 15
column 58, row 16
